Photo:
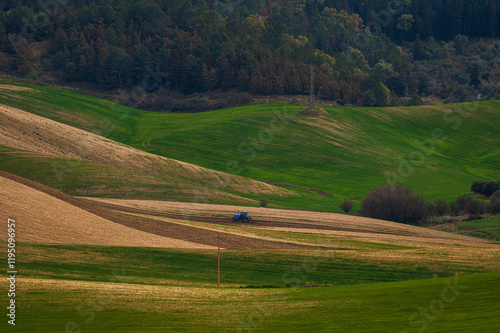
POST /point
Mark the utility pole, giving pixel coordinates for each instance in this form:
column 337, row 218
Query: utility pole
column 312, row 87
column 218, row 260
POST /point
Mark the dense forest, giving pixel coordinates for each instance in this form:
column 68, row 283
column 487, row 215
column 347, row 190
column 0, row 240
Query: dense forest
column 364, row 52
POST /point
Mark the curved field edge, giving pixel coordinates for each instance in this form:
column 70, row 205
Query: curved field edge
column 62, row 218
column 89, row 222
column 68, row 148
column 460, row 303
column 439, row 150
column 322, row 223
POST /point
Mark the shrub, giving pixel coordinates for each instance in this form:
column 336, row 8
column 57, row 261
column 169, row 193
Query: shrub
column 263, row 203
column 485, row 188
column 441, row 207
column 477, row 186
column 490, row 187
column 465, row 204
column 346, row 205
column 395, row 203
column 494, row 206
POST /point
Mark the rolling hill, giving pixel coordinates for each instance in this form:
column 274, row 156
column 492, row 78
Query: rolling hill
column 58, row 220
column 407, row 306
column 316, row 160
column 70, row 152
column 117, row 226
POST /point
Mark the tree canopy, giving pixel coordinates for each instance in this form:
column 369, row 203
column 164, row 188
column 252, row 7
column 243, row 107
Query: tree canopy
column 260, row 46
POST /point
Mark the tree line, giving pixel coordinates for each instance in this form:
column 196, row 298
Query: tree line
column 258, row 46
column 440, row 19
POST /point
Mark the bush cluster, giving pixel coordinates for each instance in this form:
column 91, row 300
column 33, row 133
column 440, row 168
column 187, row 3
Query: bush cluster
column 396, row 203
column 346, row 205
column 400, row 204
column 485, row 188
column 467, row 205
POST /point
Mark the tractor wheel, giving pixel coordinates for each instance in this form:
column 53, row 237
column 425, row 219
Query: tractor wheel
column 235, row 219
column 246, row 219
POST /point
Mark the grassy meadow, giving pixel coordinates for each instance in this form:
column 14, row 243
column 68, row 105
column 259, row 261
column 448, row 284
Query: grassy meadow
column 488, row 228
column 380, row 282
column 438, row 150
column 103, row 289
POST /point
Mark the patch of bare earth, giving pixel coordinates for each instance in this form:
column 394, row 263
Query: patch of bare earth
column 7, row 87
column 328, row 224
column 338, row 133
column 26, row 131
column 44, row 218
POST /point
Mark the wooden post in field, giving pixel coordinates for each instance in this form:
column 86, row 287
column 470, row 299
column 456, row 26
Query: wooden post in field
column 218, row 260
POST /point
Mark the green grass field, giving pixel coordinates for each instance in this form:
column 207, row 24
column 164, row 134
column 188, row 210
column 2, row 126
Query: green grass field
column 376, row 286
column 240, row 268
column 104, row 289
column 488, row 228
column 438, row 150
column 409, row 306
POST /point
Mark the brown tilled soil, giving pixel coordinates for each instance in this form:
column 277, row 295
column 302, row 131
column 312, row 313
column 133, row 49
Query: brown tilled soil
column 9, row 87
column 48, row 215
column 331, row 224
column 66, row 219
column 227, row 220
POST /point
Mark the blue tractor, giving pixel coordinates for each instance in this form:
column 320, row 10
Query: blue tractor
column 242, row 217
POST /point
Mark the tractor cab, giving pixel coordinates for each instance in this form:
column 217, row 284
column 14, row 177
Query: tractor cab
column 243, row 216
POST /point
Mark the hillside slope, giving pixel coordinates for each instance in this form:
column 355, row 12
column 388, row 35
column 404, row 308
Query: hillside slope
column 344, row 153
column 45, row 215
column 44, row 218
column 23, row 134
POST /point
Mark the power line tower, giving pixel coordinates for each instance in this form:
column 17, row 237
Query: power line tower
column 312, row 88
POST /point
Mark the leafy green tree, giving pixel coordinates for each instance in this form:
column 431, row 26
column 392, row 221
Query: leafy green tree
column 25, row 58
column 464, row 93
column 346, row 205
column 369, row 98
column 382, row 95
column 405, row 23
column 119, row 64
column 210, row 80
column 415, row 100
column 418, row 49
column 384, row 70
column 2, row 27
column 254, row 27
column 19, row 19
column 461, row 44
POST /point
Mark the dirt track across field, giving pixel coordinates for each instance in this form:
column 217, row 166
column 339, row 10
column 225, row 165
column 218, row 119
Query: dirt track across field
column 227, row 220
column 55, row 217
column 82, row 230
column 340, row 226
